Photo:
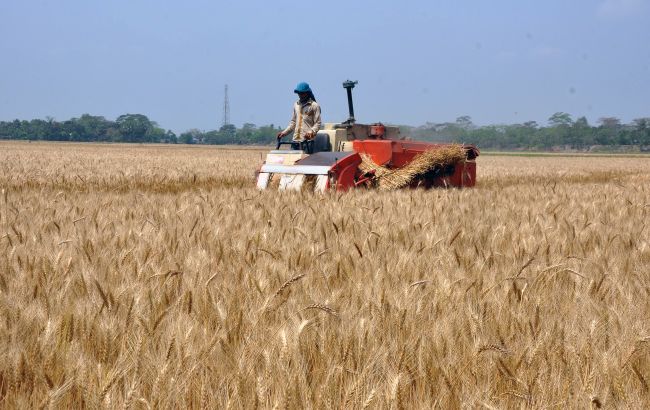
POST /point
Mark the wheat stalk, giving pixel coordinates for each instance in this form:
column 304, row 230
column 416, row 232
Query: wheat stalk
column 288, row 283
column 323, row 308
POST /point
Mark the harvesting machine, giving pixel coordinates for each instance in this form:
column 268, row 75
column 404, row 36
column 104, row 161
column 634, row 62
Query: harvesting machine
column 349, row 155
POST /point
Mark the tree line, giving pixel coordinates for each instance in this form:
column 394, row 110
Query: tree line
column 129, row 128
column 561, row 132
column 126, row 128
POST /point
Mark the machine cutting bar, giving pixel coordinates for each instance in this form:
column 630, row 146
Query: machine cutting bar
column 295, row 169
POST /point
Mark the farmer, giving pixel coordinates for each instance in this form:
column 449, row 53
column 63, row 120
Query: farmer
column 305, row 121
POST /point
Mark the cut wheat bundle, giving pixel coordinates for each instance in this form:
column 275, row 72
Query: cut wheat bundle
column 390, row 179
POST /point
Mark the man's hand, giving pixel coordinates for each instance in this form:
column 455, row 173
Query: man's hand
column 281, row 134
column 309, row 135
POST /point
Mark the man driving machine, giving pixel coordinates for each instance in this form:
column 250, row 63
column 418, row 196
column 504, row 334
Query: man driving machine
column 305, row 121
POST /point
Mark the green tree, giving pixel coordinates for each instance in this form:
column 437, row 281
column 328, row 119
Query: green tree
column 134, row 127
column 581, row 134
column 170, row 137
column 94, row 128
column 559, row 119
column 608, row 132
column 465, row 122
column 39, row 129
column 246, row 134
column 187, row 138
column 642, row 124
column 642, row 131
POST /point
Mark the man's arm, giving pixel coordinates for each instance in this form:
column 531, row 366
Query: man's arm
column 316, row 126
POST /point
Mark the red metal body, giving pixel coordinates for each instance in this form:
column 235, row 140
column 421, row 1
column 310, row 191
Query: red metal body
column 377, row 130
column 396, row 154
column 341, row 170
column 343, row 173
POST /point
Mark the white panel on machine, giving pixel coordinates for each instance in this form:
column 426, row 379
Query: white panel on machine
column 263, row 180
column 291, row 182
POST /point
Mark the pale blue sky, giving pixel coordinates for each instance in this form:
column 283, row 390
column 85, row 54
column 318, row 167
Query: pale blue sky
column 416, row 61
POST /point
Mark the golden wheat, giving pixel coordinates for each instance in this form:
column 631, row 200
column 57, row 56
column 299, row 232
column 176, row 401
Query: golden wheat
column 138, row 276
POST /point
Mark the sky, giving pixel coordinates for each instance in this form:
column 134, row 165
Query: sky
column 498, row 61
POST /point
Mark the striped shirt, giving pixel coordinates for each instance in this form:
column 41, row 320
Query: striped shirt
column 305, row 118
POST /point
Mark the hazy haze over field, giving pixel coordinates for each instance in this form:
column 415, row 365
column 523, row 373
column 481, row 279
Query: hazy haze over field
column 416, row 61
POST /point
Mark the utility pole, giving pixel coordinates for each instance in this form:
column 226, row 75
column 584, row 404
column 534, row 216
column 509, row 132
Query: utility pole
column 226, row 107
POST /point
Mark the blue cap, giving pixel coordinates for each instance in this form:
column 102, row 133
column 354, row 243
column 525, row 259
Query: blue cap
column 302, row 88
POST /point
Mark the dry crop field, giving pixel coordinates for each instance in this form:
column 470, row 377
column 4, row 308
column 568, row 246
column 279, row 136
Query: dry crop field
column 158, row 277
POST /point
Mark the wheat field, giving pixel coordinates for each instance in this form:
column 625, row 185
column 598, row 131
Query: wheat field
column 158, row 277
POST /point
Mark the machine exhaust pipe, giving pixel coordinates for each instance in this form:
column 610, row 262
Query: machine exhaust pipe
column 349, row 85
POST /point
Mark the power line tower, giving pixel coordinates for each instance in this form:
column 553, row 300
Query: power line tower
column 226, row 107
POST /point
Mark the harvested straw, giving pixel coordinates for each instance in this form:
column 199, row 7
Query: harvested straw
column 368, row 165
column 390, row 179
column 309, row 183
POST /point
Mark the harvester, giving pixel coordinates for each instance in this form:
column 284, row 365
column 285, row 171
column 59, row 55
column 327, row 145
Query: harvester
column 347, row 155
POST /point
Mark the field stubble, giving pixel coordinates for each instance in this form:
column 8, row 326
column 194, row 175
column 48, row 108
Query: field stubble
column 149, row 277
